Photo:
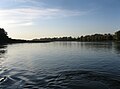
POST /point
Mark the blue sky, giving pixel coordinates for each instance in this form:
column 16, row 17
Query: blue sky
column 27, row 19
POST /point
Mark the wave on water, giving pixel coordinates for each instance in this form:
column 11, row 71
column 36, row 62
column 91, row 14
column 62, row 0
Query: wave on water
column 79, row 79
column 83, row 80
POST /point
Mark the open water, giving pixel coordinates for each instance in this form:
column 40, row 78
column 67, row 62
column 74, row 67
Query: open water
column 60, row 65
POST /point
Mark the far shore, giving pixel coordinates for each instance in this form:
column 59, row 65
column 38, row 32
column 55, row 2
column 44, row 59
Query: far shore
column 5, row 39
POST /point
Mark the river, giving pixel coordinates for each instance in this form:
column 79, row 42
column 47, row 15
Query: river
column 60, row 65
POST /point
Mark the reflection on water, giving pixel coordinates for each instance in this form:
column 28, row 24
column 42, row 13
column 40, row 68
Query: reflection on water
column 2, row 58
column 2, row 53
column 60, row 65
column 2, row 49
column 117, row 47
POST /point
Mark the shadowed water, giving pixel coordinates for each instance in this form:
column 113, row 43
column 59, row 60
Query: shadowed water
column 60, row 65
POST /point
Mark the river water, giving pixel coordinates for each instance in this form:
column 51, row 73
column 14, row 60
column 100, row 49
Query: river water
column 60, row 65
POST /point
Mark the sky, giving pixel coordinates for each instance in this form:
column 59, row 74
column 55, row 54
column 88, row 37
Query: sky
column 30, row 19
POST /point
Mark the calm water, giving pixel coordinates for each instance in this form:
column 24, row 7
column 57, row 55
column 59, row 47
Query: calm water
column 60, row 65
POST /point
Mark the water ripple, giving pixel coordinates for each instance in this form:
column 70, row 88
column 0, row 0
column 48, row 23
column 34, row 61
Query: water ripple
column 79, row 79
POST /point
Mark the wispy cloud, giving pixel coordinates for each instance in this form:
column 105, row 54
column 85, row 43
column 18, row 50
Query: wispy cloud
column 27, row 16
column 26, row 12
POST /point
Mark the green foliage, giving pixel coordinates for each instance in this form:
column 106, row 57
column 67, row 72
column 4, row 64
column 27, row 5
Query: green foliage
column 97, row 37
column 117, row 35
column 3, row 35
column 89, row 38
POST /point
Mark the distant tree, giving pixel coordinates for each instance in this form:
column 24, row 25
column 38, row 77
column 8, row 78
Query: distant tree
column 110, row 37
column 81, row 38
column 117, row 36
column 69, row 38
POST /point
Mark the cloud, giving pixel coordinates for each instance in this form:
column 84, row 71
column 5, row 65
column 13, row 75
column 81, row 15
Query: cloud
column 28, row 16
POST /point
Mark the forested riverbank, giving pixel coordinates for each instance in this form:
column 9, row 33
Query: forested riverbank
column 4, row 38
column 87, row 38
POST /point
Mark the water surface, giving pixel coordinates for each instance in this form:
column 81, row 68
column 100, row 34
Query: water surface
column 60, row 65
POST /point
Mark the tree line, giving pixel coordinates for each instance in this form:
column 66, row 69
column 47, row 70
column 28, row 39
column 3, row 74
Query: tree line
column 87, row 38
column 5, row 39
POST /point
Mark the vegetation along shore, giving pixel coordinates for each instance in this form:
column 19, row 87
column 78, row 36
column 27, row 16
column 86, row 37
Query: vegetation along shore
column 4, row 38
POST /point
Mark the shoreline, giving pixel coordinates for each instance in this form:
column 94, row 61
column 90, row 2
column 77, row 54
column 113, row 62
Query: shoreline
column 28, row 41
